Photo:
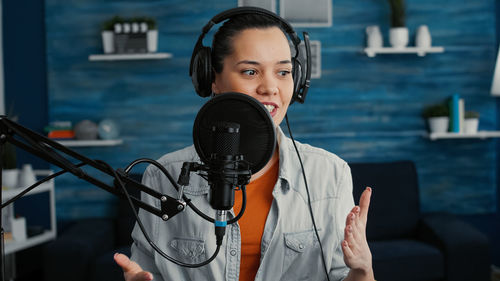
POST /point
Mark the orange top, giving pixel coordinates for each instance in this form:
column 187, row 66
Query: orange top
column 259, row 199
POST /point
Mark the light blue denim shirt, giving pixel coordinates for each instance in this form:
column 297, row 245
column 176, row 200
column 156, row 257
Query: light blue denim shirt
column 289, row 249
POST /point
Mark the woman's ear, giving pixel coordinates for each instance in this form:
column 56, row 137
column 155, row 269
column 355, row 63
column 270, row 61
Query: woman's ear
column 214, row 87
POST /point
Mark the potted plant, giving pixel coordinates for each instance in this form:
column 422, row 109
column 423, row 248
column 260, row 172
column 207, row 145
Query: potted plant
column 108, row 34
column 471, row 122
column 398, row 33
column 437, row 116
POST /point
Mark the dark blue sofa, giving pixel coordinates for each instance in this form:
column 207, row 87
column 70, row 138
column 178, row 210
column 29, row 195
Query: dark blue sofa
column 406, row 245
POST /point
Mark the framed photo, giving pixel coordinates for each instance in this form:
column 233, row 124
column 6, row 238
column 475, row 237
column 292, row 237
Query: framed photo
column 305, row 14
column 266, row 4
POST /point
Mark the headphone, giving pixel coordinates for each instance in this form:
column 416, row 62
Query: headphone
column 201, row 70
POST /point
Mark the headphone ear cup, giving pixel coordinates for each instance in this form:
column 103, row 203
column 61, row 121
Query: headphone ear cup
column 202, row 75
column 297, row 78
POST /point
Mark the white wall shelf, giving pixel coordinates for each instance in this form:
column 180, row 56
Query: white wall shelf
column 82, row 143
column 117, row 57
column 372, row 52
column 478, row 135
column 12, row 246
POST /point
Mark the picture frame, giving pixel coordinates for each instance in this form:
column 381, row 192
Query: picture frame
column 269, row 5
column 300, row 13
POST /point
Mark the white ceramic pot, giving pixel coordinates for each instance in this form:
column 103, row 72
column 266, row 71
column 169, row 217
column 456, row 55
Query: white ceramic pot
column 374, row 37
column 423, row 38
column 108, row 45
column 471, row 125
column 438, row 124
column 398, row 37
column 10, row 178
column 27, row 176
column 152, row 41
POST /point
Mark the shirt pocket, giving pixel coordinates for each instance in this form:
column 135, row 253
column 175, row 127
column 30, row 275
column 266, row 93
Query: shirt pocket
column 300, row 247
column 189, row 250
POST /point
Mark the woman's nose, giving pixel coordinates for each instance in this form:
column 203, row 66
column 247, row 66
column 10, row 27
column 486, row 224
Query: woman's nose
column 267, row 86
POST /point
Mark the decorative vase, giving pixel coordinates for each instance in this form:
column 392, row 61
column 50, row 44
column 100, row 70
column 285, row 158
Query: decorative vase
column 152, row 38
column 86, row 130
column 438, row 124
column 374, row 37
column 108, row 45
column 471, row 125
column 10, row 178
column 423, row 38
column 27, row 176
column 398, row 37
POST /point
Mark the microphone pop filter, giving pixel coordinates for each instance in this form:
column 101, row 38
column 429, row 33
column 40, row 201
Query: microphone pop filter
column 257, row 132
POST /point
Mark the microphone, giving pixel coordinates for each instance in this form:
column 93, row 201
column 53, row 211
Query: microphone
column 223, row 165
column 234, row 136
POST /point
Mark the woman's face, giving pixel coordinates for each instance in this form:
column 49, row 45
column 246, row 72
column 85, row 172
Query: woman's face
column 260, row 66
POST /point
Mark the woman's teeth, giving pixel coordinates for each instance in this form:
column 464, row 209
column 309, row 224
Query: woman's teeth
column 269, row 107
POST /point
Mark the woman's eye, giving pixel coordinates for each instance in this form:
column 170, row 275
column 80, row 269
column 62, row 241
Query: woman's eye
column 248, row 72
column 284, row 72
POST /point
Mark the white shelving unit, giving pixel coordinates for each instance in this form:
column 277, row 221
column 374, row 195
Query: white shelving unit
column 84, row 143
column 12, row 246
column 478, row 135
column 372, row 52
column 117, row 57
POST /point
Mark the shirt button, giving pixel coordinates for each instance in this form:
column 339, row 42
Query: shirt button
column 233, row 252
column 301, row 246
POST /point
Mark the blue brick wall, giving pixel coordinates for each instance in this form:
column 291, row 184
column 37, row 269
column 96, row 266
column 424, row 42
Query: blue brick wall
column 363, row 109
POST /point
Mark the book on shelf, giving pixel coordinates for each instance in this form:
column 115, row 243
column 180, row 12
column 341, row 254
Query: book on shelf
column 62, row 130
column 456, row 109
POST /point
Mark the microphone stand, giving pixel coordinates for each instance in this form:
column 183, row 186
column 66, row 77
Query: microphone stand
column 48, row 150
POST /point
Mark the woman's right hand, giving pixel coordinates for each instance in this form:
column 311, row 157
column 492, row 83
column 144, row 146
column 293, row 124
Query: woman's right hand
column 131, row 270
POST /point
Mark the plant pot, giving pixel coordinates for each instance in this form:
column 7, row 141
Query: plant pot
column 471, row 125
column 438, row 124
column 108, row 45
column 152, row 41
column 10, row 178
column 398, row 37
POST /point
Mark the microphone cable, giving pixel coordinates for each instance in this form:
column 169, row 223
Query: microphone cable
column 143, row 229
column 308, row 197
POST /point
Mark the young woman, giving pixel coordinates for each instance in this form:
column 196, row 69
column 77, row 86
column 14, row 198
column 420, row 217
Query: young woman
column 275, row 239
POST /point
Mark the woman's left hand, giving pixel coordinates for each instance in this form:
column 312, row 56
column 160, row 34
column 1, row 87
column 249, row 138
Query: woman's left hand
column 357, row 255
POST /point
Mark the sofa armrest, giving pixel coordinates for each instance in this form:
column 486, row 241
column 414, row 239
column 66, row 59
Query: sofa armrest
column 466, row 250
column 70, row 255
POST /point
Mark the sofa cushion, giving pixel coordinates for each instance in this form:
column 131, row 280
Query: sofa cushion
column 406, row 260
column 394, row 206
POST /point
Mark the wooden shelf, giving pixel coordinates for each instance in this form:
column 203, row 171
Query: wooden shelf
column 83, row 143
column 372, row 52
column 478, row 135
column 115, row 57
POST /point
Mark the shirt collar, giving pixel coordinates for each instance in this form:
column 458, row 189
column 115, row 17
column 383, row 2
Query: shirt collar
column 285, row 148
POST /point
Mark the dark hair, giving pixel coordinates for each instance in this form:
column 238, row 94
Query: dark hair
column 222, row 43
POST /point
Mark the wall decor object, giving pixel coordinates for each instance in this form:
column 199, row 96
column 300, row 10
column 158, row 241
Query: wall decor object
column 301, row 13
column 398, row 34
column 129, row 35
column 265, row 4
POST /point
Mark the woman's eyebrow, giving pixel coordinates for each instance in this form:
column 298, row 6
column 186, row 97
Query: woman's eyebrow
column 257, row 63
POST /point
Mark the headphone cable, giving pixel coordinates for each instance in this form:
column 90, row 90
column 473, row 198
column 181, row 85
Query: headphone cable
column 308, row 198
